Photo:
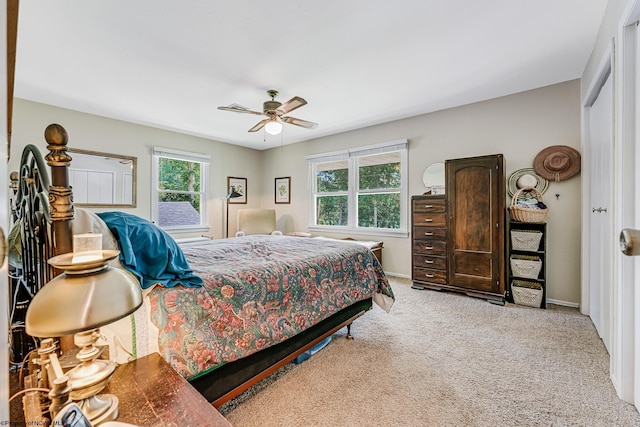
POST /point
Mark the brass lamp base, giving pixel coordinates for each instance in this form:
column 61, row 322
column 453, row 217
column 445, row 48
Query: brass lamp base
column 100, row 408
column 90, row 378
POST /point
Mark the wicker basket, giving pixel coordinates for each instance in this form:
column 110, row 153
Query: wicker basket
column 525, row 240
column 526, row 293
column 525, row 266
column 521, row 214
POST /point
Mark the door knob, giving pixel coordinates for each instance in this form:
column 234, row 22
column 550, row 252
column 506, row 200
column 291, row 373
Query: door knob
column 630, row 241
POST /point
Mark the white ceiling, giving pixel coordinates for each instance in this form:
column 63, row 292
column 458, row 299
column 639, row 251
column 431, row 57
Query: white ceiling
column 171, row 63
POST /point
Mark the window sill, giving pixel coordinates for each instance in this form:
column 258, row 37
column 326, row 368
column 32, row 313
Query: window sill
column 360, row 231
column 185, row 230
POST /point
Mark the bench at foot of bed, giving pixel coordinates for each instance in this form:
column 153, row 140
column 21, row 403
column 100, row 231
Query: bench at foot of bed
column 376, row 247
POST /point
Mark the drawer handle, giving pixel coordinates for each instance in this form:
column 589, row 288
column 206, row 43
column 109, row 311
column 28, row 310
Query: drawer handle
column 428, row 234
column 428, row 261
column 431, row 276
column 428, row 247
column 428, row 206
column 428, row 220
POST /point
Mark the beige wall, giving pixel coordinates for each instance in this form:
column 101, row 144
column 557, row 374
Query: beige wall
column 518, row 126
column 96, row 133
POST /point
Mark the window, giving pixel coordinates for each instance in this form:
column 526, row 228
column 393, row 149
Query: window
column 179, row 190
column 361, row 190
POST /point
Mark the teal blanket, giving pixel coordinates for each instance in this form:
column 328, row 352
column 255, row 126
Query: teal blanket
column 149, row 252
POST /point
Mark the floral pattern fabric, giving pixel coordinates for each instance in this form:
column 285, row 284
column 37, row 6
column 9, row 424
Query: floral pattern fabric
column 258, row 291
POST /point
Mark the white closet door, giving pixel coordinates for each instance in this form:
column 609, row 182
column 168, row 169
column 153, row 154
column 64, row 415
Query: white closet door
column 601, row 179
column 101, row 187
column 92, row 187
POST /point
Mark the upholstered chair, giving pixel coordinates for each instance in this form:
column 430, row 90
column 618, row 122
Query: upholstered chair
column 257, row 221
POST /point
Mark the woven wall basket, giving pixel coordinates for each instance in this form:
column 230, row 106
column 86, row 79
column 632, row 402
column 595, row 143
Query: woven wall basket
column 528, row 215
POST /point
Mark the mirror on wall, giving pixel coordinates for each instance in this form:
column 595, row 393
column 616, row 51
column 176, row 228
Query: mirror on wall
column 433, row 178
column 102, row 179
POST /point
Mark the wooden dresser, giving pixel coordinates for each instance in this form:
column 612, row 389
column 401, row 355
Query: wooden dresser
column 458, row 238
column 429, row 242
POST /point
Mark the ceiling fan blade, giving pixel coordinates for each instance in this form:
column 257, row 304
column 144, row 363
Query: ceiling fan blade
column 239, row 109
column 259, row 126
column 290, row 105
column 300, row 122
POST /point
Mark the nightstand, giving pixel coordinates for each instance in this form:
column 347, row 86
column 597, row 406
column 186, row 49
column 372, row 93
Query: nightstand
column 151, row 393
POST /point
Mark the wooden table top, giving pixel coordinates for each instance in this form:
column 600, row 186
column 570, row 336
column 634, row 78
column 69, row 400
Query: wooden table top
column 151, row 393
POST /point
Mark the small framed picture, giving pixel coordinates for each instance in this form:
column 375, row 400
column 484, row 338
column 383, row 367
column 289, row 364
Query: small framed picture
column 237, row 190
column 283, row 190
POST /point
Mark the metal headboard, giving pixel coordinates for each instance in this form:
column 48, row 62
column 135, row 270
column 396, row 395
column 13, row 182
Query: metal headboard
column 41, row 214
column 30, row 213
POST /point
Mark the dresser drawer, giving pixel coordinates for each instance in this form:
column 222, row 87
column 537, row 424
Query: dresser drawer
column 429, row 205
column 430, row 247
column 429, row 220
column 423, row 233
column 426, row 261
column 428, row 275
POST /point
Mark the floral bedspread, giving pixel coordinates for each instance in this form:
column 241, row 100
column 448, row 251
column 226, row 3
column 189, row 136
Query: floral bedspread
column 258, row 291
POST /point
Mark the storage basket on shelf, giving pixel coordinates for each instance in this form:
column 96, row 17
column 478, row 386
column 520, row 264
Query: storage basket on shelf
column 522, row 214
column 525, row 240
column 525, row 266
column 526, row 292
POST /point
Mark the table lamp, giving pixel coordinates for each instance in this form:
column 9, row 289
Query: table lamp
column 88, row 295
column 232, row 195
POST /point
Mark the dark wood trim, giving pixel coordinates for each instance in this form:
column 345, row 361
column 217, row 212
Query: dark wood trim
column 12, row 38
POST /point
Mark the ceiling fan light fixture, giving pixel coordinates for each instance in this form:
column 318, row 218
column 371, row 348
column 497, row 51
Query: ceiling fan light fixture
column 275, row 113
column 273, row 128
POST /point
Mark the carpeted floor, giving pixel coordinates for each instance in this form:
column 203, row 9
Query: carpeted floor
column 443, row 359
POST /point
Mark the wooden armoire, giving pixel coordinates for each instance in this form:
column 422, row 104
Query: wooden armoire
column 474, row 207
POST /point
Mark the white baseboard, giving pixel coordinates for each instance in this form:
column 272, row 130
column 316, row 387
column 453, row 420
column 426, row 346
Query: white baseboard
column 564, row 303
column 401, row 276
column 549, row 301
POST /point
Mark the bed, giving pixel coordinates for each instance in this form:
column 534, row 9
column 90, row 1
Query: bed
column 242, row 307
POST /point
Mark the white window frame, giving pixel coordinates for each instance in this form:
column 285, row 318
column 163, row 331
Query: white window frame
column 352, row 155
column 204, row 161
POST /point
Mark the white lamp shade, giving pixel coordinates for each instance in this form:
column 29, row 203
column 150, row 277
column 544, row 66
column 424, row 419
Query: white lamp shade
column 273, row 128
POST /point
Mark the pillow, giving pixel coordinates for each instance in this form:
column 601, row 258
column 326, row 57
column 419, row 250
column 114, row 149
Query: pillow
column 85, row 221
column 149, row 252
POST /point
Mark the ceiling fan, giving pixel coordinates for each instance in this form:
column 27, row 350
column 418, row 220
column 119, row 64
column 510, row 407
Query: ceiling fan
column 275, row 112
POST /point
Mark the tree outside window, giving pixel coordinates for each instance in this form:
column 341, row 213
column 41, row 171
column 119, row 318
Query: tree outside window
column 332, row 185
column 180, row 192
column 362, row 191
column 379, row 186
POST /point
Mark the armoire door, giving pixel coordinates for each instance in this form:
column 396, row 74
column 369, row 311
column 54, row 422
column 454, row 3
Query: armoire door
column 476, row 207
